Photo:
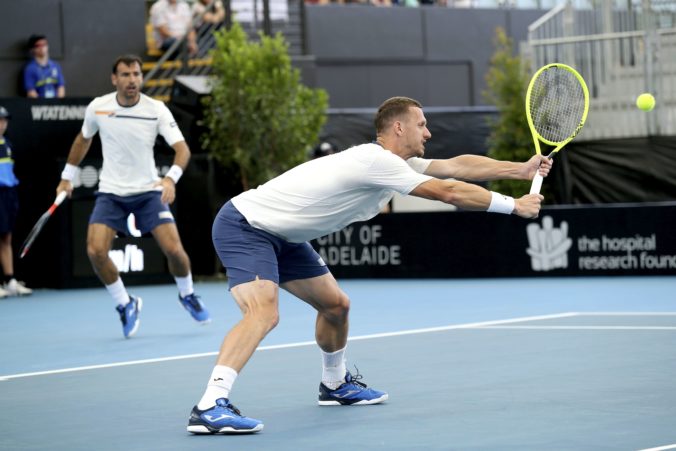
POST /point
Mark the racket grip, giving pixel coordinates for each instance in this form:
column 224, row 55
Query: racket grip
column 62, row 195
column 537, row 184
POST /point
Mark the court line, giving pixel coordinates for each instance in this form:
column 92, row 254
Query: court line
column 287, row 346
column 627, row 313
column 660, row 448
column 582, row 327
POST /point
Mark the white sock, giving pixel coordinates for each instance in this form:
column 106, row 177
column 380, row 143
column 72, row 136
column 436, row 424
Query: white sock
column 118, row 292
column 184, row 285
column 333, row 368
column 219, row 386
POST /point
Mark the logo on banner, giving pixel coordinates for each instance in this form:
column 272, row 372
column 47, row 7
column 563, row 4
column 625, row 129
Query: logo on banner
column 358, row 246
column 128, row 260
column 58, row 112
column 548, row 245
column 131, row 226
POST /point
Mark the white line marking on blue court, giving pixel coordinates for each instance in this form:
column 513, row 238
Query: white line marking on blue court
column 627, row 313
column 581, row 327
column 287, row 346
column 660, row 448
column 496, row 324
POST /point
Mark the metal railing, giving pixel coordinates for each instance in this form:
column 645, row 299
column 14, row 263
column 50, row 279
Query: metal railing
column 577, row 18
column 617, row 65
column 286, row 18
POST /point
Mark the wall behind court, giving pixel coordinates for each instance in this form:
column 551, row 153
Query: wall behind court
column 85, row 37
column 362, row 54
column 437, row 55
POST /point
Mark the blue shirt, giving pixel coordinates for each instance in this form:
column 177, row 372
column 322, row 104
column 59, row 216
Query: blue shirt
column 43, row 79
column 7, row 177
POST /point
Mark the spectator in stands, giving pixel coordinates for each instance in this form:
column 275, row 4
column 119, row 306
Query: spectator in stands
column 42, row 77
column 208, row 15
column 172, row 21
column 9, row 206
column 208, row 12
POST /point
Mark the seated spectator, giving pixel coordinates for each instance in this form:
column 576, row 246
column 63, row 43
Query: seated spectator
column 42, row 77
column 208, row 15
column 208, row 12
column 172, row 21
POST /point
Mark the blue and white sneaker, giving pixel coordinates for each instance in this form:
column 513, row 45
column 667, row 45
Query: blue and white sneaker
column 223, row 418
column 193, row 304
column 350, row 393
column 129, row 315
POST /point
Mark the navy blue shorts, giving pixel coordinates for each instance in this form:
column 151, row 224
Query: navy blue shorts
column 247, row 252
column 148, row 210
column 9, row 207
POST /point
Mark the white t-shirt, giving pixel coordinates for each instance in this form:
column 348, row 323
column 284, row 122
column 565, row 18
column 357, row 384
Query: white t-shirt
column 127, row 138
column 177, row 18
column 326, row 194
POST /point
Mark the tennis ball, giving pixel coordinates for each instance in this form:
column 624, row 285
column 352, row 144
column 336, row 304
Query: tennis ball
column 645, row 102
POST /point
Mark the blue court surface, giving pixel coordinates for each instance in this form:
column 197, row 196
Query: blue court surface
column 489, row 364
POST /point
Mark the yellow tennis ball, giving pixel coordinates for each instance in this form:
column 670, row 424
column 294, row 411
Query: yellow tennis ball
column 645, row 102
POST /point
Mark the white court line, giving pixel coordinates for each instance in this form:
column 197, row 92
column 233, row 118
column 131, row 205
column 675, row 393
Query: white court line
column 626, row 313
column 289, row 345
column 581, row 327
column 660, row 448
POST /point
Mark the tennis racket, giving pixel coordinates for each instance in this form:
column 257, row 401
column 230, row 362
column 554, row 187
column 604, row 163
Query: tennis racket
column 557, row 102
column 40, row 224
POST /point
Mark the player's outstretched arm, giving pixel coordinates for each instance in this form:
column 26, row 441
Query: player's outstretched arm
column 473, row 197
column 480, row 168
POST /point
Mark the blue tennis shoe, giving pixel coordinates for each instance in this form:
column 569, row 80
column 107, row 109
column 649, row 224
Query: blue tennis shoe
column 223, row 418
column 129, row 315
column 351, row 393
column 195, row 307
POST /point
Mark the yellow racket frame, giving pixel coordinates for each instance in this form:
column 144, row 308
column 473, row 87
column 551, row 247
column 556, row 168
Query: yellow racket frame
column 558, row 145
column 536, row 135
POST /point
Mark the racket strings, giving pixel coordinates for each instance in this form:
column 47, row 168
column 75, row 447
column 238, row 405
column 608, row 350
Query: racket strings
column 557, row 104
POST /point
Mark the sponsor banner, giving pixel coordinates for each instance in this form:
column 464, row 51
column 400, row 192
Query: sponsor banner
column 563, row 241
column 45, row 128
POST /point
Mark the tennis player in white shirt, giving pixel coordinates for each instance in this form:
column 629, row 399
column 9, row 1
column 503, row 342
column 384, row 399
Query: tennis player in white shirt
column 128, row 123
column 261, row 237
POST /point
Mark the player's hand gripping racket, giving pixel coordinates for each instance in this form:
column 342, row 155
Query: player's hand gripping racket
column 557, row 102
column 40, row 224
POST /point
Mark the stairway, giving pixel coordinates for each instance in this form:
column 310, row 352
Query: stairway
column 160, row 72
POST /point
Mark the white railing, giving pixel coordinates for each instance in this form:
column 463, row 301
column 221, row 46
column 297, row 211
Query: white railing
column 576, row 18
column 621, row 50
column 617, row 67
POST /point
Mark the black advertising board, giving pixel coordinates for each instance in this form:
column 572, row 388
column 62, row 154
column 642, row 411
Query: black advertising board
column 564, row 241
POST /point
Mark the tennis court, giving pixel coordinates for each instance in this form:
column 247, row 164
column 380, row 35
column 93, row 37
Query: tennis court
column 509, row 364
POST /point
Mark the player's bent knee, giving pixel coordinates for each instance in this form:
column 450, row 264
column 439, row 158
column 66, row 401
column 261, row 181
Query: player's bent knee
column 266, row 315
column 272, row 321
column 339, row 308
column 175, row 252
column 96, row 252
